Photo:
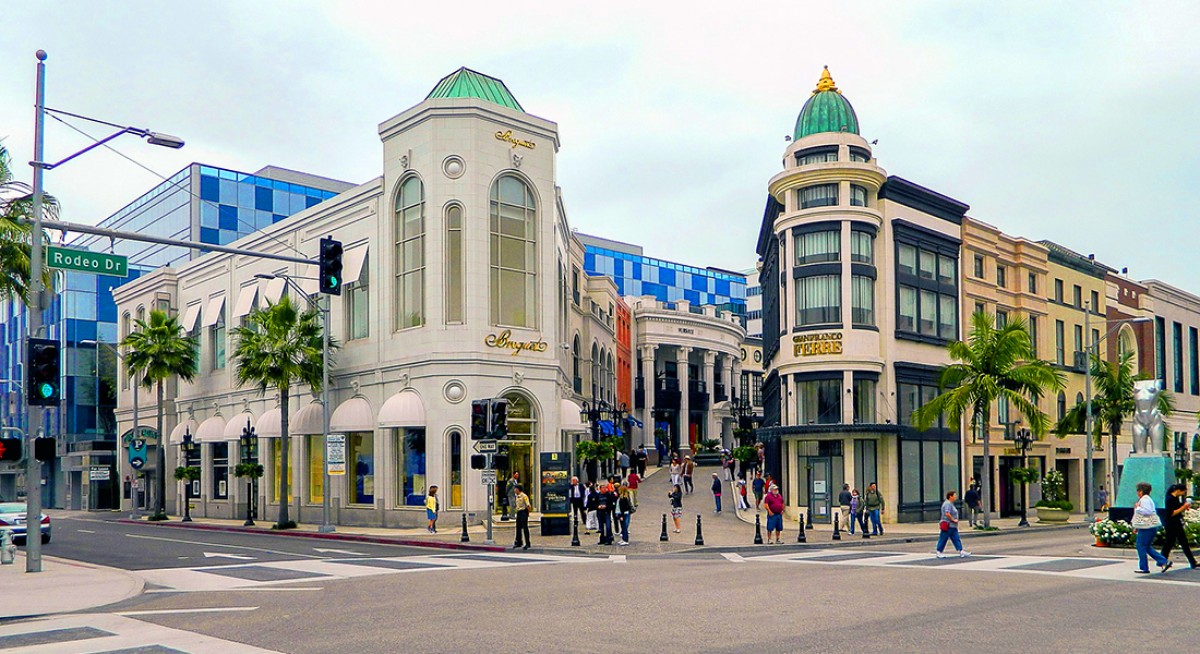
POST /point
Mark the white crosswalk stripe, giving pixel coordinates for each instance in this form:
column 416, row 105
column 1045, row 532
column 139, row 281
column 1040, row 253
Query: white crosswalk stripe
column 90, row 633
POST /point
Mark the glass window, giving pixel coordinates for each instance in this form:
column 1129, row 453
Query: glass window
column 979, row 266
column 1033, row 282
column 815, row 247
column 864, row 401
column 1033, row 334
column 410, row 253
column 1058, row 290
column 1001, row 318
column 931, row 469
column 220, row 470
column 947, row 269
column 358, row 299
column 454, row 264
column 816, row 157
column 927, row 313
column 859, row 156
column 821, row 195
column 910, row 471
column 858, row 195
column 1001, row 276
column 908, row 309
column 1062, row 405
column 907, row 259
column 1059, row 342
column 819, row 300
column 1095, row 306
column 456, row 470
column 316, row 468
column 862, row 247
column 947, row 317
column 196, row 340
column 218, row 343
column 276, row 473
column 862, row 291
column 513, row 249
column 1177, row 352
column 1078, row 339
column 361, row 452
column 951, row 477
column 928, row 262
column 410, row 452
column 1078, row 296
column 819, row 402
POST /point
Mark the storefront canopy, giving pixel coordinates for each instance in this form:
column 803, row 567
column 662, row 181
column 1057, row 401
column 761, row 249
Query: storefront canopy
column 191, row 317
column 176, row 436
column 404, row 409
column 215, row 311
column 269, row 425
column 233, row 428
column 308, row 421
column 569, row 413
column 352, row 415
column 211, row 430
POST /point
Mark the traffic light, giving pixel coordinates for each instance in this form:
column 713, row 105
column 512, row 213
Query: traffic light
column 331, row 266
column 500, row 461
column 478, row 461
column 43, row 382
column 479, row 420
column 498, row 424
column 43, row 449
column 10, row 449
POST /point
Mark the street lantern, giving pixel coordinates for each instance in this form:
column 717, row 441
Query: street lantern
column 1024, row 440
column 186, row 450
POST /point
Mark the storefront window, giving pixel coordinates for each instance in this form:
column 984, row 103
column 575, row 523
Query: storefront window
column 864, row 401
column 819, row 300
column 220, row 471
column 276, row 473
column 819, row 401
column 361, row 452
column 410, row 455
column 316, row 468
column 456, row 485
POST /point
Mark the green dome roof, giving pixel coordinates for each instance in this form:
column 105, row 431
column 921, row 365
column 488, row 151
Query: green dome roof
column 826, row 111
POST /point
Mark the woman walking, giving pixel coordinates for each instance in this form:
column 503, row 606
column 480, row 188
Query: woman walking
column 676, row 496
column 716, row 491
column 431, row 509
column 1146, row 522
column 625, row 511
column 1176, row 506
column 949, row 526
column 854, row 509
column 676, row 472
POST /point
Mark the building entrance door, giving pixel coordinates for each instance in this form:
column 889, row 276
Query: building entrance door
column 820, row 489
column 1010, row 491
column 520, row 461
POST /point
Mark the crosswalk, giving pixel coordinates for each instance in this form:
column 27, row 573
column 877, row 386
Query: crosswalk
column 299, row 574
column 110, row 633
column 1105, row 569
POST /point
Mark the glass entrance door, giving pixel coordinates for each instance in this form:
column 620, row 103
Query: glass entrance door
column 820, row 489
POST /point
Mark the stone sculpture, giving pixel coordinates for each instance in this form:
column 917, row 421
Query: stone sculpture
column 1147, row 419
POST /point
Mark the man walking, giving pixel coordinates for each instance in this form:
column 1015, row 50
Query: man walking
column 605, row 504
column 757, row 487
column 689, row 467
column 1177, row 505
column 844, row 499
column 511, row 492
column 635, row 480
column 640, row 460
column 576, row 495
column 873, row 505
column 774, row 504
column 521, row 504
column 972, row 501
column 623, row 461
column 716, row 491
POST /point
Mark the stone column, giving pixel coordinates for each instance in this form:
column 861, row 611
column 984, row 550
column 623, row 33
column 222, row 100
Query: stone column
column 711, row 428
column 681, row 358
column 648, row 388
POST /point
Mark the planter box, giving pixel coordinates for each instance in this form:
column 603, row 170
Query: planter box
column 1052, row 516
column 707, row 459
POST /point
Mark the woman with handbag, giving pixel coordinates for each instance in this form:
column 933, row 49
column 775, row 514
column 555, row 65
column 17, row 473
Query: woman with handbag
column 1146, row 522
column 949, row 527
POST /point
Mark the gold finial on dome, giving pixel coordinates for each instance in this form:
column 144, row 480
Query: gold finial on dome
column 826, row 83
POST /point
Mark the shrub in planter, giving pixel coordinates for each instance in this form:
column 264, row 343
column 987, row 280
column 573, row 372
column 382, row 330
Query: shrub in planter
column 1112, row 532
column 1056, row 504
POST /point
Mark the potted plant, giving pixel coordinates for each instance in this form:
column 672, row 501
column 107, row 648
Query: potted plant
column 187, row 474
column 743, row 436
column 747, row 456
column 708, row 452
column 1053, row 508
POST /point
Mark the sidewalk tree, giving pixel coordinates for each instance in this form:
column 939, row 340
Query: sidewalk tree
column 279, row 347
column 158, row 350
column 991, row 364
column 16, row 207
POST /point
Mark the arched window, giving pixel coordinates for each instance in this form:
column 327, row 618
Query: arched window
column 578, row 381
column 454, row 264
column 612, row 379
column 513, row 280
column 1062, row 405
column 595, row 371
column 410, row 253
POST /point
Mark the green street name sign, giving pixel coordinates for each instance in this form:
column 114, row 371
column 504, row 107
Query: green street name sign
column 93, row 262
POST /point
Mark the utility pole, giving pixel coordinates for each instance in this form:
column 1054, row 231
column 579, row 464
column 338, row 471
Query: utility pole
column 1089, row 490
column 33, row 310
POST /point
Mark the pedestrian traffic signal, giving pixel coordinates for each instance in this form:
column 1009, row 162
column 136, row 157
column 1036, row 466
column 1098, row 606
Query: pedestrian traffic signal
column 10, row 449
column 478, row 461
column 498, row 423
column 500, row 461
column 331, row 266
column 42, row 376
column 479, row 420
column 44, row 449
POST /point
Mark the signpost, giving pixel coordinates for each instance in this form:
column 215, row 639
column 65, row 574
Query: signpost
column 489, row 477
column 99, row 473
column 335, row 454
column 486, row 447
column 99, row 263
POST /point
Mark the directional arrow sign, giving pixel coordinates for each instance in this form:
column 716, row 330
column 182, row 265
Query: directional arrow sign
column 333, row 551
column 485, row 447
column 211, row 555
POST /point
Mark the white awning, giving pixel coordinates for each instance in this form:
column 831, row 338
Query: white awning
column 211, row 430
column 274, row 290
column 568, row 415
column 354, row 414
column 308, row 421
column 233, row 428
column 176, row 436
column 269, row 425
column 404, row 409
column 216, row 308
column 190, row 317
column 353, row 264
column 246, row 300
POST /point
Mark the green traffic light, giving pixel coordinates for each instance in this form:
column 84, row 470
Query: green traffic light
column 47, row 391
column 333, row 281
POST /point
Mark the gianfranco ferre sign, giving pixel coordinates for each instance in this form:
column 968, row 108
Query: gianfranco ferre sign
column 504, row 340
column 807, row 345
column 507, row 137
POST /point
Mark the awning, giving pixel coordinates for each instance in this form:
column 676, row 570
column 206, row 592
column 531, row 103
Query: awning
column 233, row 428
column 246, row 300
column 216, row 309
column 353, row 264
column 606, row 427
column 274, row 290
column 176, row 436
column 404, row 409
column 308, row 421
column 568, row 413
column 211, row 430
column 269, row 425
column 354, row 414
column 190, row 317
column 634, row 421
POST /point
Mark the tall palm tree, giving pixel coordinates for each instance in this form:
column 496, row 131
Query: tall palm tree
column 280, row 347
column 16, row 208
column 991, row 364
column 158, row 350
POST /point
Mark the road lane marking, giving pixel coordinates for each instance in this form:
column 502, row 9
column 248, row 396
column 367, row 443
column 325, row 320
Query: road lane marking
column 617, row 558
column 219, row 609
column 224, row 555
column 250, row 589
column 334, row 551
column 85, row 531
column 736, row 558
column 236, row 547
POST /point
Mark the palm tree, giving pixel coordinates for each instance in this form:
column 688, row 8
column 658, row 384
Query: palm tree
column 16, row 208
column 991, row 364
column 280, row 347
column 158, row 350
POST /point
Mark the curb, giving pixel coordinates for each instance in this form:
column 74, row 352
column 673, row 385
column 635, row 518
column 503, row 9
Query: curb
column 353, row 538
column 137, row 587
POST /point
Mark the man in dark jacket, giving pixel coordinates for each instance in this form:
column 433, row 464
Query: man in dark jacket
column 971, row 498
column 576, row 493
column 1176, row 506
column 606, row 502
column 844, row 499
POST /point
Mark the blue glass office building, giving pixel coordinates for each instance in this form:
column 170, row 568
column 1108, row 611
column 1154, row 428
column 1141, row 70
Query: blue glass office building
column 199, row 203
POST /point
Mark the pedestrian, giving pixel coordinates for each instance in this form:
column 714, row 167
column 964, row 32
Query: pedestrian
column 844, row 498
column 605, row 505
column 510, row 492
column 716, row 491
column 855, row 509
column 688, row 469
column 641, row 462
column 623, row 461
column 873, row 506
column 676, row 497
column 625, row 512
column 741, row 493
column 774, row 504
column 591, row 498
column 635, row 480
column 972, row 501
column 576, row 493
column 676, row 471
column 757, row 486
column 725, row 463
column 660, row 444
column 1147, row 522
column 1102, row 499
column 522, row 504
column 949, row 527
column 431, row 509
column 1176, row 506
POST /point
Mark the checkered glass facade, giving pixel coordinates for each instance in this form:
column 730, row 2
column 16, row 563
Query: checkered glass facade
column 638, row 275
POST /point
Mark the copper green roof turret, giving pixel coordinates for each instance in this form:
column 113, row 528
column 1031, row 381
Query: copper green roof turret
column 826, row 111
column 466, row 83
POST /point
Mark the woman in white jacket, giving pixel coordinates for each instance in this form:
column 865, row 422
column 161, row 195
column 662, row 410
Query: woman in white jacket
column 1147, row 522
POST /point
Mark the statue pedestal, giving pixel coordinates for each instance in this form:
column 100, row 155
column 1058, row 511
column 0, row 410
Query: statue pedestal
column 1156, row 469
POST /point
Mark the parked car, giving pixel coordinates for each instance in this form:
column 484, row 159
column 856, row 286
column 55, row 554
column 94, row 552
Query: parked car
column 12, row 518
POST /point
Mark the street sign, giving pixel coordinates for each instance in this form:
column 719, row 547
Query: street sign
column 489, row 477
column 99, row 473
column 486, row 447
column 335, row 454
column 99, row 263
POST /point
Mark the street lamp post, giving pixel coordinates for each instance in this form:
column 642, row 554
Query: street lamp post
column 186, row 450
column 1024, row 440
column 249, row 454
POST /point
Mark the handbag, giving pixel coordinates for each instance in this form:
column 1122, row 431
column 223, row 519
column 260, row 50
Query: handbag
column 1141, row 521
column 944, row 526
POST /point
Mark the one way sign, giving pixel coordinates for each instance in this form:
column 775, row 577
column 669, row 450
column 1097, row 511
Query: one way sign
column 486, row 447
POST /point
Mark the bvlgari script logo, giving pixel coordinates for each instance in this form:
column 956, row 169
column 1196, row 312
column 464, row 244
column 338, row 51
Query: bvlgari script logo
column 508, row 137
column 807, row 345
column 504, row 340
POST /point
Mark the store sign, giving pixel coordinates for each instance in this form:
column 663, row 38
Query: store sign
column 808, row 345
column 99, row 474
column 686, row 330
column 335, row 454
column 504, row 340
column 508, row 137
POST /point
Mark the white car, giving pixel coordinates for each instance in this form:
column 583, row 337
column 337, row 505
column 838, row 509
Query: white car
column 12, row 519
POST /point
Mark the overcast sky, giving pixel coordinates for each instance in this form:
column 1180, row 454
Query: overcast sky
column 1069, row 121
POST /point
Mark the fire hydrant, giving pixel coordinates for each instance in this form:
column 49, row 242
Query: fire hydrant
column 8, row 551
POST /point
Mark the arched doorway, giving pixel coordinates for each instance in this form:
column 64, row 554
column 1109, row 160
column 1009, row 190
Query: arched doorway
column 521, row 446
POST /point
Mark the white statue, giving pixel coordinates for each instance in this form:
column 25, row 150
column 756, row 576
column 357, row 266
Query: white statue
column 1147, row 419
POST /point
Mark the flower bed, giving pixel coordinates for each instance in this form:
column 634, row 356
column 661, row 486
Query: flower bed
column 1119, row 533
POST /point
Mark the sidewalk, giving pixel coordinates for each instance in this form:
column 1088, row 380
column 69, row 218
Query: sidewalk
column 62, row 587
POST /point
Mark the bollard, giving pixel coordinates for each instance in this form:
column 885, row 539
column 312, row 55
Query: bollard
column 758, row 529
column 663, row 536
column 465, row 538
column 837, row 532
column 809, row 525
column 8, row 551
column 863, row 523
column 575, row 530
column 699, row 532
column 800, row 537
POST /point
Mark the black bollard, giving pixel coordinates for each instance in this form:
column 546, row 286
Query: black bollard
column 465, row 538
column 663, row 536
column 863, row 523
column 575, row 531
column 837, row 532
column 699, row 532
column 809, row 520
column 800, row 537
column 758, row 529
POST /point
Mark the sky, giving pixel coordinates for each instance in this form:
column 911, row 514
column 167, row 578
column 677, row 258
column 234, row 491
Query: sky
column 1068, row 121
